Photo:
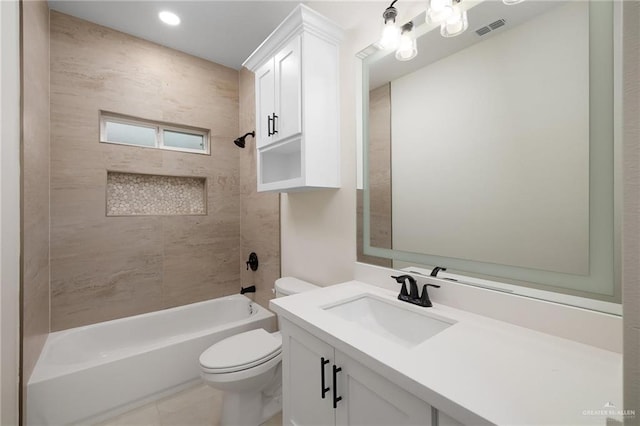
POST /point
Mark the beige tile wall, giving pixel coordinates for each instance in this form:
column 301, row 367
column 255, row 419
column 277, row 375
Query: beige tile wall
column 379, row 177
column 259, row 212
column 109, row 267
column 35, row 183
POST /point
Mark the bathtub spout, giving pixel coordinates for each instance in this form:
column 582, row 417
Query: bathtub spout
column 251, row 289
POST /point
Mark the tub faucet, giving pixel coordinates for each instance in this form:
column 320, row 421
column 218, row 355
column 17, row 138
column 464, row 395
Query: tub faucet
column 412, row 295
column 250, row 289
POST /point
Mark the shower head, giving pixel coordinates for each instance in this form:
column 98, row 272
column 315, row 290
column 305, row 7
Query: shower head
column 240, row 141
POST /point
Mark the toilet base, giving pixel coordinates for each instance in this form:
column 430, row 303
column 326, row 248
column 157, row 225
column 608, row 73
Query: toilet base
column 250, row 397
column 239, row 409
column 249, row 408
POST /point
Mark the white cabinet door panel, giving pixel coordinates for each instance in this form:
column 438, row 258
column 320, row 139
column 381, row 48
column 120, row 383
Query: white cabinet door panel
column 288, row 90
column 265, row 102
column 444, row 420
column 368, row 399
column 302, row 379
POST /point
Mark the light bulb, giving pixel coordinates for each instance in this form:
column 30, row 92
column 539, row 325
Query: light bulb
column 390, row 31
column 439, row 11
column 511, row 2
column 456, row 24
column 407, row 47
column 390, row 36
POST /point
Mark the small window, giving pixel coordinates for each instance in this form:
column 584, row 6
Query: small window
column 181, row 140
column 124, row 130
column 129, row 134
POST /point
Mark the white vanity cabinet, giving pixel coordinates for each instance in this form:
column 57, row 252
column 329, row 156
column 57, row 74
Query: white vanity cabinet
column 297, row 104
column 323, row 386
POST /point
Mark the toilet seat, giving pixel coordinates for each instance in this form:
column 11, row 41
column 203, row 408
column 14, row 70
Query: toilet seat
column 241, row 352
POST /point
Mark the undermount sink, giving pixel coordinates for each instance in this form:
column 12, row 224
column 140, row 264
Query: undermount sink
column 390, row 320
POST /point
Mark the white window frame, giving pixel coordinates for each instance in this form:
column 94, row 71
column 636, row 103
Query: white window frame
column 159, row 129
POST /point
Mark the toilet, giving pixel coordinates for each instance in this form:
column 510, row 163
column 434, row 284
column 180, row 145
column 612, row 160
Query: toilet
column 247, row 368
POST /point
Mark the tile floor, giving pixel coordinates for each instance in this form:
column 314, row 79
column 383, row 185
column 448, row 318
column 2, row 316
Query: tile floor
column 199, row 405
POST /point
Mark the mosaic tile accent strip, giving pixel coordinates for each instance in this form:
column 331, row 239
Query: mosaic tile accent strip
column 130, row 194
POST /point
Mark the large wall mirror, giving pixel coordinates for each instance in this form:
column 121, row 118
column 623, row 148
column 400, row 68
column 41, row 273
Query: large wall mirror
column 493, row 153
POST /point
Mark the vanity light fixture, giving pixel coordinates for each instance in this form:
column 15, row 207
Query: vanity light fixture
column 438, row 11
column 394, row 37
column 451, row 17
column 169, row 18
column 390, row 31
column 456, row 23
column 408, row 47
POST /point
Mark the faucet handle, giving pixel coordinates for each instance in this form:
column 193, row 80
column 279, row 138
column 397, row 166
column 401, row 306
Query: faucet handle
column 424, row 299
column 401, row 280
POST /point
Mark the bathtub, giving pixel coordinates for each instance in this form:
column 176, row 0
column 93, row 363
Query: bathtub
column 91, row 373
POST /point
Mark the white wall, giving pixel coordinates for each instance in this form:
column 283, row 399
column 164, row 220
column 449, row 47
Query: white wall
column 318, row 228
column 9, row 209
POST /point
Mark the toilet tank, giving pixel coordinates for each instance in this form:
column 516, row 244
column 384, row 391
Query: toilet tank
column 286, row 286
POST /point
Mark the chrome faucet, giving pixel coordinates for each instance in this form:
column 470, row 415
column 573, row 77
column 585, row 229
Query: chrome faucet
column 411, row 296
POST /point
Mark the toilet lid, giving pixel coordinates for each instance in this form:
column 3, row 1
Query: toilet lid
column 291, row 285
column 241, row 351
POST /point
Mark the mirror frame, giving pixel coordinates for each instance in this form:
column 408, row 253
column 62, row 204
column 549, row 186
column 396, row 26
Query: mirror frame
column 604, row 204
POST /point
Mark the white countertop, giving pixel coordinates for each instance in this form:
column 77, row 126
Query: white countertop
column 479, row 370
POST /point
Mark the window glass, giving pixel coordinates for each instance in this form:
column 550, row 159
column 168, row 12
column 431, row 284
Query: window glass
column 130, row 134
column 183, row 140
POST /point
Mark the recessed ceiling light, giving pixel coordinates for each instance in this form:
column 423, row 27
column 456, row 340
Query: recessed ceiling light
column 169, row 18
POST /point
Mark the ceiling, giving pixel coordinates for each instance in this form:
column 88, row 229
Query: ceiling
column 225, row 32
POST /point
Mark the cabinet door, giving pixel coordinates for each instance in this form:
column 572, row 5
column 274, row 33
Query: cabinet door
column 368, row 399
column 288, row 88
column 444, row 420
column 265, row 102
column 302, row 370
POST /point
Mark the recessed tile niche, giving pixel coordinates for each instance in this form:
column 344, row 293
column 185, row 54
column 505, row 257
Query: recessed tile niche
column 132, row 194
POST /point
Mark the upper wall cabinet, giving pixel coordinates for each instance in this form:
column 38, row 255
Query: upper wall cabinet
column 297, row 104
column 278, row 104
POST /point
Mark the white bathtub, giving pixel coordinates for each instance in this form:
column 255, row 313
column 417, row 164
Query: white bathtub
column 90, row 373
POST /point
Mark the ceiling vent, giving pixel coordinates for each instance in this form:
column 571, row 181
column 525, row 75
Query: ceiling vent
column 491, row 27
column 497, row 24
